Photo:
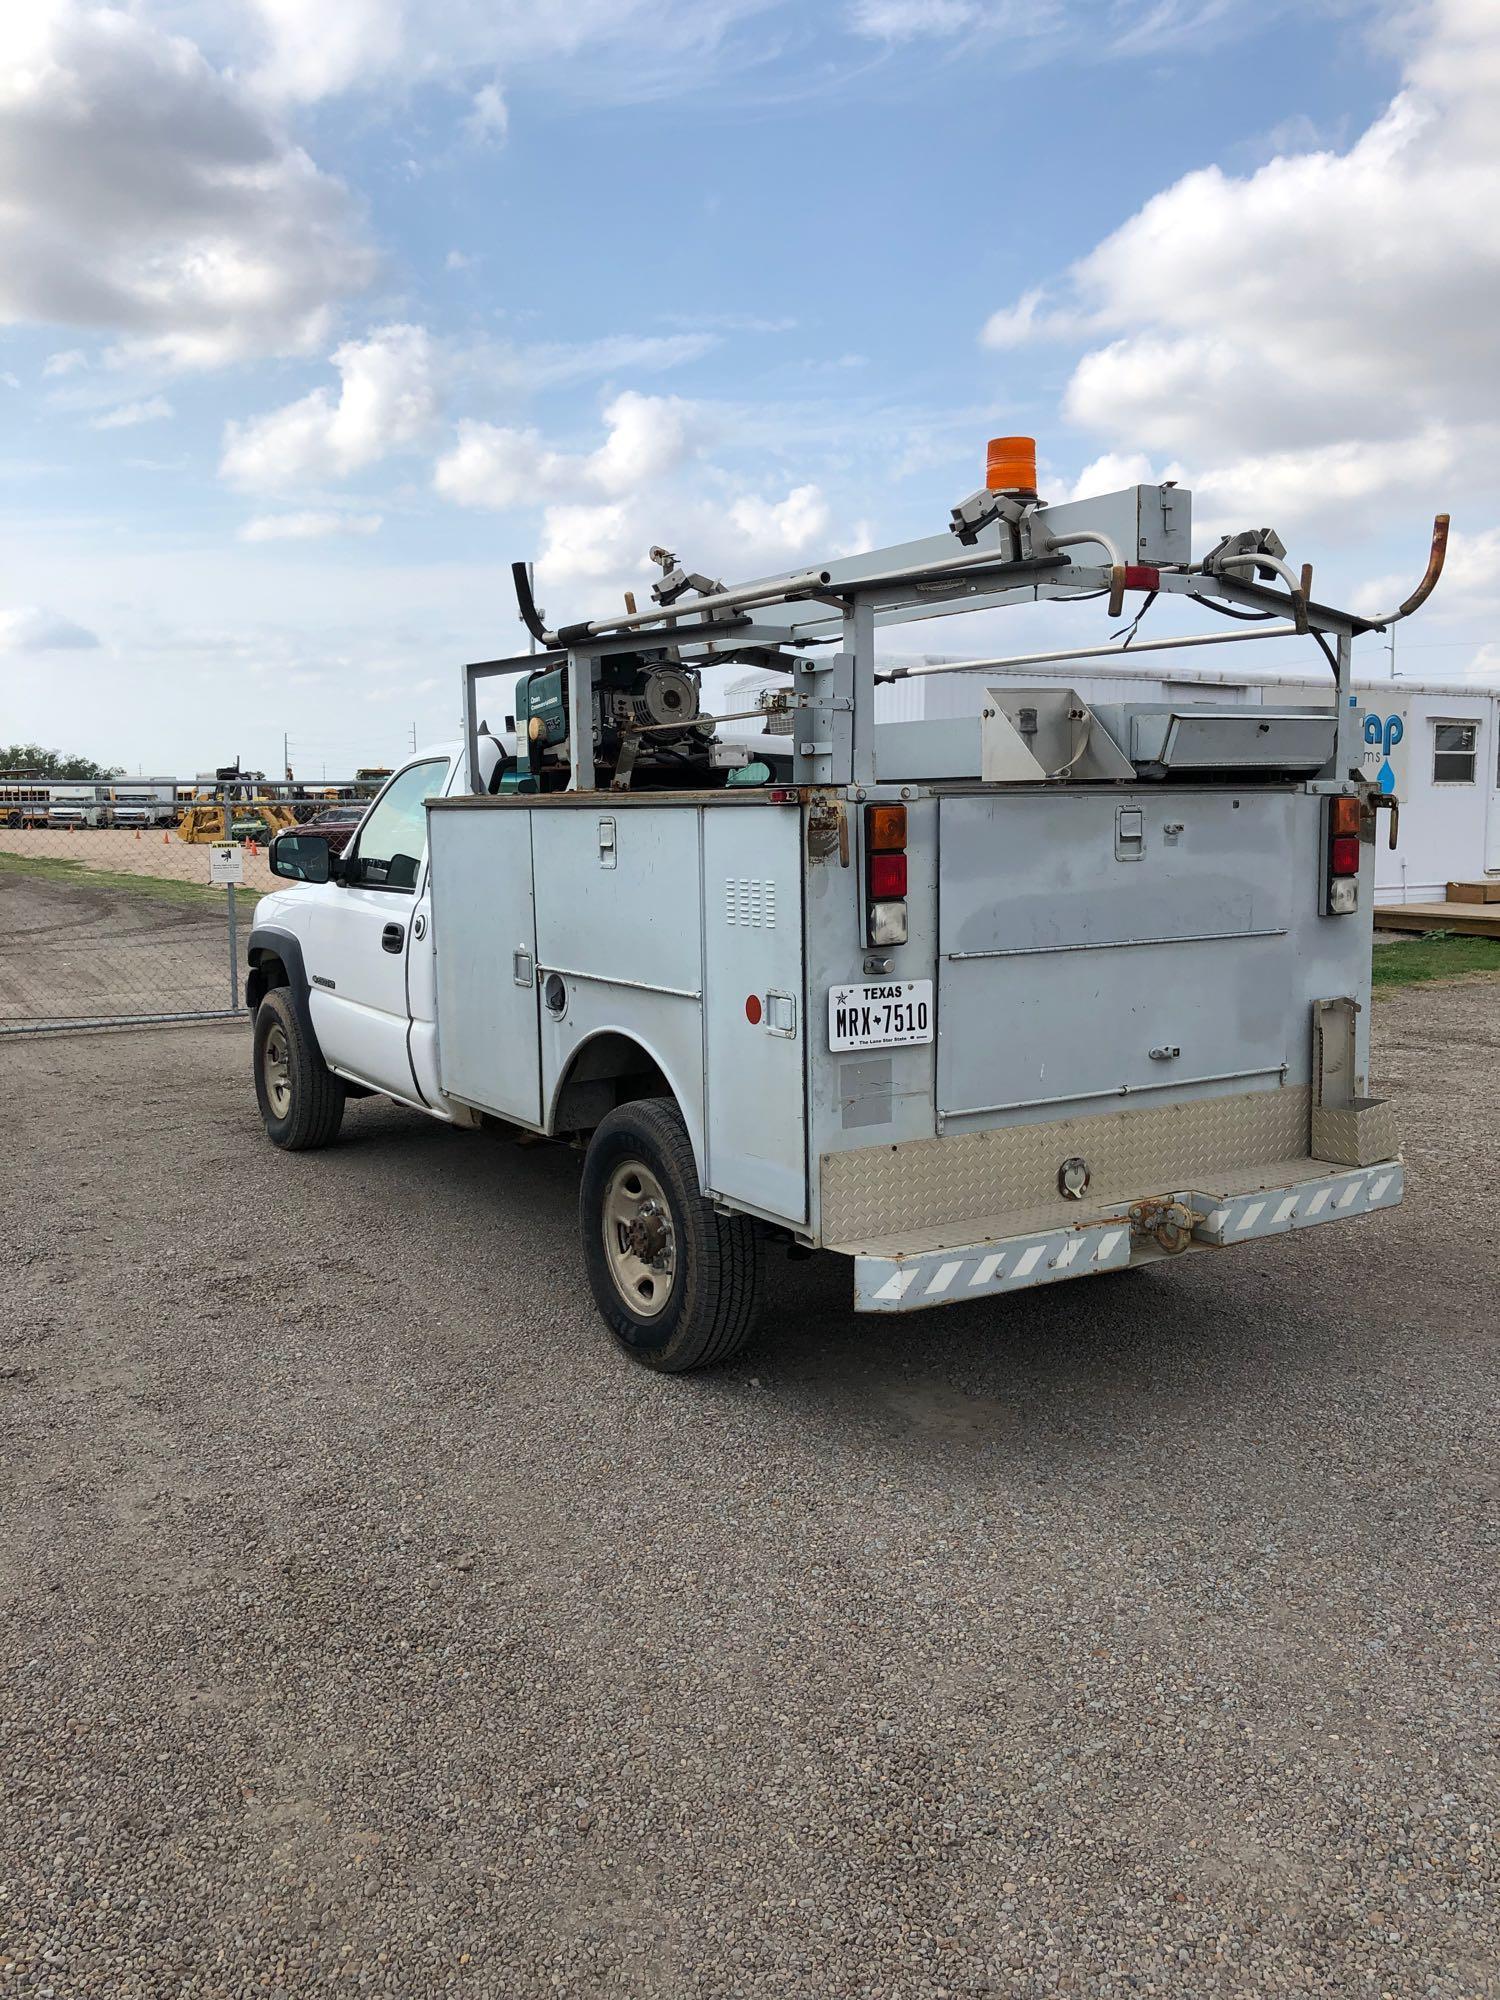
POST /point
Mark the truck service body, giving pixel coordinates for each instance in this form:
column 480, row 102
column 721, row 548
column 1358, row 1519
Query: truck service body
column 980, row 1004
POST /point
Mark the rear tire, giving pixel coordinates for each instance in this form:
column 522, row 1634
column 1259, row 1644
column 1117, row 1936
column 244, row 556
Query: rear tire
column 678, row 1285
column 300, row 1099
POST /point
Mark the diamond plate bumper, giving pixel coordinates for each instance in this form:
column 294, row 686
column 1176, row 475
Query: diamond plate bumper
column 1272, row 1212
column 893, row 1280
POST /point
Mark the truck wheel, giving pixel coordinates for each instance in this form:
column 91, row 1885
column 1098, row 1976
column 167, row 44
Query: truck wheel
column 678, row 1285
column 301, row 1100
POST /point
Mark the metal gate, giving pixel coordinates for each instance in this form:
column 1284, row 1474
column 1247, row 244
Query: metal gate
column 108, row 913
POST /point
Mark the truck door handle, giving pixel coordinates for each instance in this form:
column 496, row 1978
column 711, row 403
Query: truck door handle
column 393, row 937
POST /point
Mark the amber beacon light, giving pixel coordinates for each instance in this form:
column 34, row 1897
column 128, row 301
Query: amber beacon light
column 1010, row 465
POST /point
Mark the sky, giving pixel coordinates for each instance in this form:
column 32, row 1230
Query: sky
column 313, row 319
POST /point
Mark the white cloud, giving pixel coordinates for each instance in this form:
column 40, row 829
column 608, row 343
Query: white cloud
column 782, row 527
column 554, row 364
column 1027, row 30
column 315, row 51
column 307, row 527
column 1030, row 318
column 126, row 416
column 151, row 196
column 619, row 50
column 905, row 20
column 493, row 465
column 488, row 121
column 387, row 401
column 31, row 628
column 66, row 362
column 1318, row 333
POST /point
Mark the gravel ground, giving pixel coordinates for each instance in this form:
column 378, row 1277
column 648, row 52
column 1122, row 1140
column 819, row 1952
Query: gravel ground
column 368, row 1625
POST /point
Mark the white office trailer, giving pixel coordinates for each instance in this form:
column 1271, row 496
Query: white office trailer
column 1434, row 744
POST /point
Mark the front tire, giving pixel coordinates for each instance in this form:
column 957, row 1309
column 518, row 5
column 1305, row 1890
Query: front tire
column 678, row 1285
column 300, row 1099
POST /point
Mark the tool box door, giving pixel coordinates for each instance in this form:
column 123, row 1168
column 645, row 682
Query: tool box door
column 754, row 1017
column 484, row 928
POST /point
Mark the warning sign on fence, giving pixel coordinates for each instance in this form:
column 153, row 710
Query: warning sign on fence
column 226, row 862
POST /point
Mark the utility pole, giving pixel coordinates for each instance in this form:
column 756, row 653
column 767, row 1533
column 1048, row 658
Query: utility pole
column 1391, row 649
column 286, row 757
column 414, row 739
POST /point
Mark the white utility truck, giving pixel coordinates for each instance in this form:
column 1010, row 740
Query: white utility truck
column 980, row 1004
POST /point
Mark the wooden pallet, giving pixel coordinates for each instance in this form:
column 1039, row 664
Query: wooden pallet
column 1467, row 919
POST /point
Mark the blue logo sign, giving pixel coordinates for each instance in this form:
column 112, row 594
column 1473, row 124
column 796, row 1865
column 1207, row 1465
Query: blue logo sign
column 1384, row 733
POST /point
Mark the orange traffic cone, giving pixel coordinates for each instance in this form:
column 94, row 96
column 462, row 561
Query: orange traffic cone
column 137, row 833
column 165, row 838
column 254, row 849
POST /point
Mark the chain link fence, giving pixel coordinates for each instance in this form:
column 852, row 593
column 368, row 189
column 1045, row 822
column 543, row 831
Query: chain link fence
column 107, row 914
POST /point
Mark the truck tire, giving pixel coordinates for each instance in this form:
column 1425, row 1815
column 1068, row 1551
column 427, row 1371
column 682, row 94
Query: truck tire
column 301, row 1100
column 678, row 1285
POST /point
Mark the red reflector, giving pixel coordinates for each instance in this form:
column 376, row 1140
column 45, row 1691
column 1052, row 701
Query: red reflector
column 887, row 875
column 752, row 1010
column 782, row 795
column 1343, row 854
column 1139, row 576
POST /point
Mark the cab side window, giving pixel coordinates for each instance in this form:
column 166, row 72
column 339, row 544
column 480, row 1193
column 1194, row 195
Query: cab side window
column 388, row 854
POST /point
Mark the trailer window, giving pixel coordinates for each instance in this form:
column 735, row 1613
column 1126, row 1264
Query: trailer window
column 1453, row 752
column 393, row 838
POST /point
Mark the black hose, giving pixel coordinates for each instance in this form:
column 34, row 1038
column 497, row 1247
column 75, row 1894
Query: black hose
column 526, row 603
column 1244, row 617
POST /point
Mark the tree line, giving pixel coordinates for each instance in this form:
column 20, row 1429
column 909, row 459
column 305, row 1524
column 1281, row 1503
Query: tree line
column 31, row 758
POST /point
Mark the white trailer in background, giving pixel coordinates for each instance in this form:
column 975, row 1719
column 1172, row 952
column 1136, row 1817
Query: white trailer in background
column 1434, row 744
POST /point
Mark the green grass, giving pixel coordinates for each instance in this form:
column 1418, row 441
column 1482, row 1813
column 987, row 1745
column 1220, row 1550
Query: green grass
column 1437, row 955
column 160, row 888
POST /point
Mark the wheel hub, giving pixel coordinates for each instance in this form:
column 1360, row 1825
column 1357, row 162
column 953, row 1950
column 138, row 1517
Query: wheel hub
column 277, row 1061
column 639, row 1240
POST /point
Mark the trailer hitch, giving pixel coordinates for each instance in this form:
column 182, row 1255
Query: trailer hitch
column 1169, row 1224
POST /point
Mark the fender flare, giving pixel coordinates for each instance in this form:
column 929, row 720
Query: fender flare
column 267, row 941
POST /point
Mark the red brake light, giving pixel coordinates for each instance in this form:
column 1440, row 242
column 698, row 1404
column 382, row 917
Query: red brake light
column 887, row 875
column 1343, row 854
column 1140, row 576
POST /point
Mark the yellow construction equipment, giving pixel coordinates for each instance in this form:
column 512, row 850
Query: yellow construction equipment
column 244, row 819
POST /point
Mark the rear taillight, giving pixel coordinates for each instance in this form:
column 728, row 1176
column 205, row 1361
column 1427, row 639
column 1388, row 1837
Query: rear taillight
column 885, row 874
column 1341, row 849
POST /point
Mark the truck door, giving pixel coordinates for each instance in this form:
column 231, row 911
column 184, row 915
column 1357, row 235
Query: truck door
column 359, row 936
column 484, row 927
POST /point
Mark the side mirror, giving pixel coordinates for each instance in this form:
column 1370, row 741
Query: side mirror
column 301, row 857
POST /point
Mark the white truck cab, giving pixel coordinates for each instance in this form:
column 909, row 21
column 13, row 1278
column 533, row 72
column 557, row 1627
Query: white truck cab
column 363, row 936
column 1043, row 993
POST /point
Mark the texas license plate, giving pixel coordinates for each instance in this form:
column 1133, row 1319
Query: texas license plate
column 880, row 1015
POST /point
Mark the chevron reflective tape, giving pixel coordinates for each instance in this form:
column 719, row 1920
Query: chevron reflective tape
column 1275, row 1211
column 945, row 1277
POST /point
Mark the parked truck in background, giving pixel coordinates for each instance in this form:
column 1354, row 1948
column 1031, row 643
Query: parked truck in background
column 79, row 803
column 143, row 802
column 1049, row 991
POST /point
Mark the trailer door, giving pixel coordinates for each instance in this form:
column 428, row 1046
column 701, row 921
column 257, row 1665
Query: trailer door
column 484, row 929
column 754, row 1033
column 1107, row 945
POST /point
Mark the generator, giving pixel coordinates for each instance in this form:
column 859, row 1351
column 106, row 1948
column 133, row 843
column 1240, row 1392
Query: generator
column 648, row 728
